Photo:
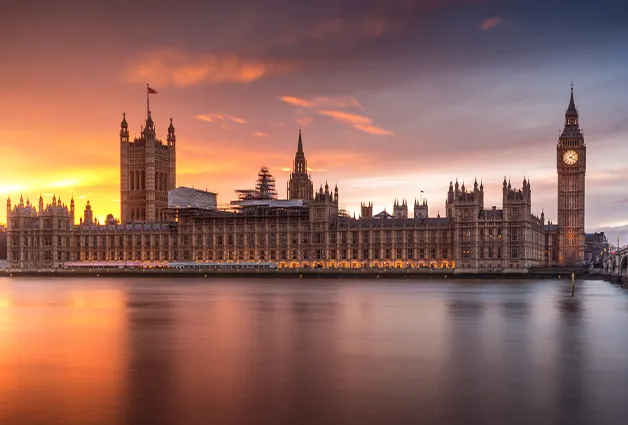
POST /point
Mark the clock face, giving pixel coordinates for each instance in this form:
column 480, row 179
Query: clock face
column 570, row 157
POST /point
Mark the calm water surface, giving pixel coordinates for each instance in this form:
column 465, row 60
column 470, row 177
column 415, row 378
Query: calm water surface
column 142, row 351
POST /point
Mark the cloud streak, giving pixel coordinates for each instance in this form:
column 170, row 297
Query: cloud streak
column 322, row 102
column 359, row 122
column 220, row 117
column 330, row 107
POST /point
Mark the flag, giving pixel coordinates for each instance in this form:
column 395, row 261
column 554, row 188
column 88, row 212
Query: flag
column 151, row 91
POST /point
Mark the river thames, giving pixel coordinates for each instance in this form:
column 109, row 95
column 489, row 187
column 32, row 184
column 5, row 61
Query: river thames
column 261, row 351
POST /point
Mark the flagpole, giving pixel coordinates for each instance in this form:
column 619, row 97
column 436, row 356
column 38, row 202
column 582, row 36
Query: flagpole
column 147, row 102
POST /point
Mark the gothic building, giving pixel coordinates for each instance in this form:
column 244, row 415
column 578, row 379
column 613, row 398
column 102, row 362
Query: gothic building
column 571, row 167
column 307, row 229
column 300, row 183
column 147, row 173
column 295, row 233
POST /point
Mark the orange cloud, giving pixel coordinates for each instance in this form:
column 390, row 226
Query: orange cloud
column 359, row 122
column 296, row 101
column 166, row 67
column 202, row 117
column 490, row 23
column 260, row 134
column 322, row 102
column 371, row 129
column 220, row 117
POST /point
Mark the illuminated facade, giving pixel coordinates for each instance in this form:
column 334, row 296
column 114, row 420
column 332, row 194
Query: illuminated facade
column 305, row 230
column 293, row 233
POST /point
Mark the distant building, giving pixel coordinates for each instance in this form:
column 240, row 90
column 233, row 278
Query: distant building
column 3, row 243
column 186, row 197
column 595, row 245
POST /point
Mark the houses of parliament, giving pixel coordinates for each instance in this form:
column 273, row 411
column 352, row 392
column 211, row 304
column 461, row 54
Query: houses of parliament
column 162, row 224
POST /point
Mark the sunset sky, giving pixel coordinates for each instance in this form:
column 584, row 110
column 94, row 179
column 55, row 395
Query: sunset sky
column 393, row 96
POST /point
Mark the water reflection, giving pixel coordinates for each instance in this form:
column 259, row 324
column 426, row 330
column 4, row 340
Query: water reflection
column 515, row 309
column 61, row 360
column 151, row 356
column 108, row 351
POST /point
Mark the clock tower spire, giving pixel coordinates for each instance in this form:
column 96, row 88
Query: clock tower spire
column 571, row 168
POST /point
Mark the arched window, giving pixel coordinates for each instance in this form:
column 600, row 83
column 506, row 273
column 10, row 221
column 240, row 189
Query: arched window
column 143, row 180
column 132, row 182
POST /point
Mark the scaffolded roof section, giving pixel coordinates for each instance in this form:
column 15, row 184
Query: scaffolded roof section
column 265, row 184
column 264, row 188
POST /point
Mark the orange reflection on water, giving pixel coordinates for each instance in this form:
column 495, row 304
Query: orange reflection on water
column 60, row 349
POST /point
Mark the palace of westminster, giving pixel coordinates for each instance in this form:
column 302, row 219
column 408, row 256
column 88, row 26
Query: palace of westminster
column 162, row 224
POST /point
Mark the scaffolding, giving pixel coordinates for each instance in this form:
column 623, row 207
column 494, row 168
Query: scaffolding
column 264, row 188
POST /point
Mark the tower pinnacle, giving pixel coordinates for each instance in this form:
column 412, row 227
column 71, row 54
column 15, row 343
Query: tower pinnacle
column 571, row 109
column 300, row 186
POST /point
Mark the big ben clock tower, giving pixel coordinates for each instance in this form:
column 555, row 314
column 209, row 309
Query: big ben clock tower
column 571, row 165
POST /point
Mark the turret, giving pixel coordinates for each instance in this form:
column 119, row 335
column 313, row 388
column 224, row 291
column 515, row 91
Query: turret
column 88, row 216
column 366, row 210
column 124, row 129
column 72, row 208
column 172, row 138
column 41, row 204
column 400, row 210
column 420, row 209
column 149, row 128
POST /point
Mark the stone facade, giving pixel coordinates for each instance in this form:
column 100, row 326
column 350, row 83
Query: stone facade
column 308, row 229
column 571, row 166
column 313, row 234
column 147, row 173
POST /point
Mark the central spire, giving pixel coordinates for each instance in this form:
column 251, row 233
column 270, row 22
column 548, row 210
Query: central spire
column 300, row 185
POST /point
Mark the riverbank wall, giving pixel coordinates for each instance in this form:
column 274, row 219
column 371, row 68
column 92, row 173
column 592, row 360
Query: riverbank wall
column 442, row 274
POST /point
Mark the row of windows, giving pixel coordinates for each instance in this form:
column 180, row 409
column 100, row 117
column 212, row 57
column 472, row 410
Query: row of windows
column 271, row 254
